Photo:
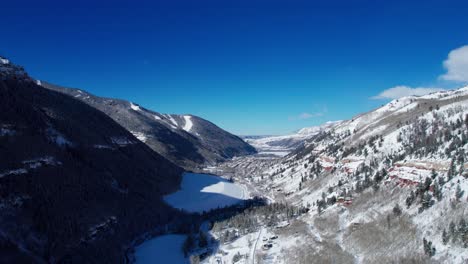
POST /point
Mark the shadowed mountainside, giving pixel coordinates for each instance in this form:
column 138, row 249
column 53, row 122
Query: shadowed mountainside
column 75, row 186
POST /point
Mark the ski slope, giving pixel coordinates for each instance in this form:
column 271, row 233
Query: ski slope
column 203, row 192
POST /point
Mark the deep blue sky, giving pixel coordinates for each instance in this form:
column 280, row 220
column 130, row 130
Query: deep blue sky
column 252, row 67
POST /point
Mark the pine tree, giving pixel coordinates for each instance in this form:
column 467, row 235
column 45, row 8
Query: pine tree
column 437, row 191
column 366, row 182
column 397, row 210
column 463, row 231
column 427, row 200
column 458, row 193
column 428, row 248
column 202, row 239
column 452, row 231
column 466, row 121
column 441, row 180
column 410, row 199
column 236, row 257
column 445, row 237
column 451, row 170
column 188, row 244
column 427, row 184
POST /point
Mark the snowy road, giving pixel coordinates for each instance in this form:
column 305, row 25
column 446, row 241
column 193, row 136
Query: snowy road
column 254, row 248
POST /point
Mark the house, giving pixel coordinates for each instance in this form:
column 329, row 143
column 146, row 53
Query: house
column 348, row 201
column 344, row 200
column 340, row 200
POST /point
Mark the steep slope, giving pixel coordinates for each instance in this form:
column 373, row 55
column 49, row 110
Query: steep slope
column 388, row 186
column 187, row 140
column 283, row 145
column 75, row 186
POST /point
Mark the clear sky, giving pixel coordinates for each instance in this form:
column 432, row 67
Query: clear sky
column 252, row 67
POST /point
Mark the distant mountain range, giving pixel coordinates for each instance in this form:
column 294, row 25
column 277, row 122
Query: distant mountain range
column 283, row 145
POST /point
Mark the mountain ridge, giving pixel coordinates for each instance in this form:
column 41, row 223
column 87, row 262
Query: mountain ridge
column 73, row 181
column 395, row 177
column 186, row 140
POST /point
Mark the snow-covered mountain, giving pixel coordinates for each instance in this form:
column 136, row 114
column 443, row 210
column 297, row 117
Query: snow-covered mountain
column 283, row 145
column 75, row 186
column 187, row 140
column 388, row 186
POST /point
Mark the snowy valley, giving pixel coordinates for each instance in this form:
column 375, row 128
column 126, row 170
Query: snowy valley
column 388, row 186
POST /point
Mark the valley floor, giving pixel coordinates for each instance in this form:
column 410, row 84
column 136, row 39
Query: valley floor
column 367, row 231
column 290, row 229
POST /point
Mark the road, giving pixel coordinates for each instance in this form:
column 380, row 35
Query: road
column 254, row 248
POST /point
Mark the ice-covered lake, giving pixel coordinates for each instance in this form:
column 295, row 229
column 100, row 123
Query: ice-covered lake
column 203, row 192
column 198, row 193
column 162, row 249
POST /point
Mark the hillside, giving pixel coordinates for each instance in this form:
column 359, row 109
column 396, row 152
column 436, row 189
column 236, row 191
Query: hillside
column 75, row 186
column 186, row 140
column 388, row 186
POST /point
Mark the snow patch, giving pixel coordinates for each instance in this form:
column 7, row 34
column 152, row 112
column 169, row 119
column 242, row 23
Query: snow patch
column 38, row 162
column 6, row 132
column 135, row 107
column 58, row 138
column 172, row 120
column 188, row 123
column 13, row 172
column 141, row 136
column 122, row 141
column 4, row 61
column 32, row 164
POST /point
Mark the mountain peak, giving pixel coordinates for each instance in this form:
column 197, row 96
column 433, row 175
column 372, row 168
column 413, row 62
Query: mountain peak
column 9, row 70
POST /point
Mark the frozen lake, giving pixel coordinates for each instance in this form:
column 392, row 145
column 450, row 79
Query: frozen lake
column 162, row 249
column 203, row 192
column 198, row 193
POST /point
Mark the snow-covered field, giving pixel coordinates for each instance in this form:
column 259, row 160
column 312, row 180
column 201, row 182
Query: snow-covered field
column 162, row 249
column 203, row 192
